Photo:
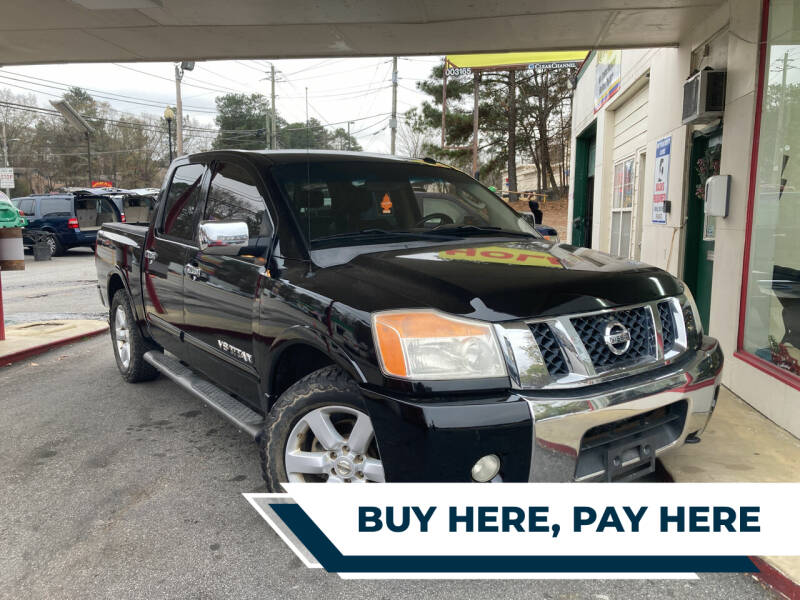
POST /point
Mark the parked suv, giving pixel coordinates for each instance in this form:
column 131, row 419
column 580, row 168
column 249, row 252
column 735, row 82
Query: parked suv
column 72, row 220
column 372, row 318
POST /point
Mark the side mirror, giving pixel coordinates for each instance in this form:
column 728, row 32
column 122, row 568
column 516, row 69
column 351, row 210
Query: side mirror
column 226, row 238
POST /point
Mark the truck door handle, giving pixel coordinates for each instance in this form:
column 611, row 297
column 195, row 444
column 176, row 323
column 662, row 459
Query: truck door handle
column 195, row 272
column 150, row 255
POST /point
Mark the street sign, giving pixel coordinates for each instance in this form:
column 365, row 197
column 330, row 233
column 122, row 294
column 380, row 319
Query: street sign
column 6, row 177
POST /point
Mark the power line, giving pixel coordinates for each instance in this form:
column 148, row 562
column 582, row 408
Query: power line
column 383, row 62
column 201, row 87
column 98, row 93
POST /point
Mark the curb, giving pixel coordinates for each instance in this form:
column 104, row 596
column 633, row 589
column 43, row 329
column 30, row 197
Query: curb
column 776, row 579
column 10, row 359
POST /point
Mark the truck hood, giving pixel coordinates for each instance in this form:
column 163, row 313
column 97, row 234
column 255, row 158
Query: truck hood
column 497, row 280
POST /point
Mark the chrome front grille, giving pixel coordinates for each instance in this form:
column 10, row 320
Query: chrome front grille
column 640, row 326
column 550, row 349
column 667, row 324
column 579, row 350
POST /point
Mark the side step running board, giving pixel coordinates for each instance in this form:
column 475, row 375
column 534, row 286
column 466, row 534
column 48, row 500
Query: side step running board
column 229, row 407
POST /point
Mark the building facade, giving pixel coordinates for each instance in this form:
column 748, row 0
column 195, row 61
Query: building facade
column 641, row 157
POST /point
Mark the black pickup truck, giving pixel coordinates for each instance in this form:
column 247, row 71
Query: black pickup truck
column 370, row 318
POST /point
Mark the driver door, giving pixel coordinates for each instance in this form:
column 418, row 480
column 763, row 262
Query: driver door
column 221, row 292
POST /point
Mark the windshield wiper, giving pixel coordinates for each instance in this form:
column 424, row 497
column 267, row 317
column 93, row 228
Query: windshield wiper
column 467, row 229
column 374, row 231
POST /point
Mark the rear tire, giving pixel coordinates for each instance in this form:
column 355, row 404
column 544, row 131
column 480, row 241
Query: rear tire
column 319, row 431
column 56, row 249
column 128, row 342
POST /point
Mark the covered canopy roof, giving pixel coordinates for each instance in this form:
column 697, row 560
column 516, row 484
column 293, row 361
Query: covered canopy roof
column 52, row 31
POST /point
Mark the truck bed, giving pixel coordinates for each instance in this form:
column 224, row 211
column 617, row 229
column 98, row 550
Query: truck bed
column 118, row 258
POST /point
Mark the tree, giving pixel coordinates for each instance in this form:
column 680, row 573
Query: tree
column 413, row 136
column 524, row 115
column 243, row 121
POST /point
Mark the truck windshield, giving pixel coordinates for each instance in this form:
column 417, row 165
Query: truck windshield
column 351, row 202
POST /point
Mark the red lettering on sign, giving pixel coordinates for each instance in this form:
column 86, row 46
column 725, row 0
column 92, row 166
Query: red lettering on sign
column 465, row 251
column 494, row 254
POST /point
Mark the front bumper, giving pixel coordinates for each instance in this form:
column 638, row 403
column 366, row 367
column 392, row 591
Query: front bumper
column 563, row 435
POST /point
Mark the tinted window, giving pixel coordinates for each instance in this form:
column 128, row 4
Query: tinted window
column 182, row 197
column 336, row 199
column 26, row 205
column 55, row 207
column 233, row 196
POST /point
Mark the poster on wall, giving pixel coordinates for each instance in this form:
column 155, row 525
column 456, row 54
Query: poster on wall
column 607, row 76
column 661, row 180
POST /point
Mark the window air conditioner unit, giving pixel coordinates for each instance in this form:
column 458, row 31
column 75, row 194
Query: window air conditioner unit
column 704, row 97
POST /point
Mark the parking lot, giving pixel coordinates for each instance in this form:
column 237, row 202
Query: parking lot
column 64, row 287
column 131, row 491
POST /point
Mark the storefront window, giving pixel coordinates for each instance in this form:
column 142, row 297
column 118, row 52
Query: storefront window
column 621, row 208
column 772, row 310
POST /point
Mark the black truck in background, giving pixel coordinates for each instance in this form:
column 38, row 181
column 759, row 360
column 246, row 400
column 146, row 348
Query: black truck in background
column 370, row 318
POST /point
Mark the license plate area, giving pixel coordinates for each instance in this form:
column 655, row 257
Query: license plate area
column 625, row 438
column 627, row 462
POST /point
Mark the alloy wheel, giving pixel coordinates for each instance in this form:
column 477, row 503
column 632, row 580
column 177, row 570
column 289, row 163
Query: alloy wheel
column 333, row 444
column 122, row 337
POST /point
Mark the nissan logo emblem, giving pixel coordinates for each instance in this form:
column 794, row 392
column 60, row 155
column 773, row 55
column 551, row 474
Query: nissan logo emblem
column 617, row 337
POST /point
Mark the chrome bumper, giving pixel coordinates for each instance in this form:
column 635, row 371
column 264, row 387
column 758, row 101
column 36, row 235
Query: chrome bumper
column 561, row 419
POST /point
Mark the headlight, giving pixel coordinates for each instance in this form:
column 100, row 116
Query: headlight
column 423, row 344
column 691, row 319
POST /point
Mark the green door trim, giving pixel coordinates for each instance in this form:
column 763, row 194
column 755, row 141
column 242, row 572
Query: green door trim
column 698, row 269
column 579, row 197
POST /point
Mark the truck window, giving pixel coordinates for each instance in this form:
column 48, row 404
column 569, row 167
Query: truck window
column 233, row 196
column 182, row 197
column 55, row 207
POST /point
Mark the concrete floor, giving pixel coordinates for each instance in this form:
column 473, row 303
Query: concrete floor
column 134, row 491
column 64, row 287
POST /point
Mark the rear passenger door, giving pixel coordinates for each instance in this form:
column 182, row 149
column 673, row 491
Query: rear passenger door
column 167, row 252
column 221, row 292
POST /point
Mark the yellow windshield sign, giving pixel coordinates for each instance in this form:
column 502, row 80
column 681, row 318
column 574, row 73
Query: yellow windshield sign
column 502, row 255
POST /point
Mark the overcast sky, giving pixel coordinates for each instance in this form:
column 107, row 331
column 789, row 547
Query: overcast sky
column 339, row 89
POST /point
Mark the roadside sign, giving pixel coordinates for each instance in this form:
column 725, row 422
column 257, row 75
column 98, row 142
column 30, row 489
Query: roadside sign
column 6, row 177
column 102, row 183
column 661, row 180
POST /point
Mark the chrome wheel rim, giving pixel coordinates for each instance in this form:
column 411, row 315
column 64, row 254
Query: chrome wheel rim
column 122, row 337
column 51, row 243
column 333, row 444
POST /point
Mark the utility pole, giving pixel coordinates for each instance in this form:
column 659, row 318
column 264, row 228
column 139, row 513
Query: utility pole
column 476, row 79
column 512, row 136
column 179, row 69
column 273, row 130
column 308, row 133
column 178, row 110
column 89, row 157
column 5, row 160
column 393, row 120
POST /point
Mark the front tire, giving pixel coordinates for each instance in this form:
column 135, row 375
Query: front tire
column 128, row 341
column 319, row 431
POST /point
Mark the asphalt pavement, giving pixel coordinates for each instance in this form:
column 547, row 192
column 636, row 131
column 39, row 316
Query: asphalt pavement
column 64, row 287
column 112, row 490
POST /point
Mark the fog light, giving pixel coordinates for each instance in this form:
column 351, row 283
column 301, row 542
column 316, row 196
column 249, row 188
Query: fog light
column 486, row 468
